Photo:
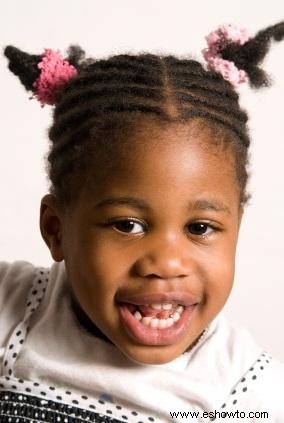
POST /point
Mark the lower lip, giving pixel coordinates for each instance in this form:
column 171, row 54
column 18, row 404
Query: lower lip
column 154, row 336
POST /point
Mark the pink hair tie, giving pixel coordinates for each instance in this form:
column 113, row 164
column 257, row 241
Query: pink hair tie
column 216, row 41
column 55, row 72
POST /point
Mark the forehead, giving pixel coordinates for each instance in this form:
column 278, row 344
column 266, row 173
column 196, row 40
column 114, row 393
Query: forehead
column 152, row 137
column 183, row 160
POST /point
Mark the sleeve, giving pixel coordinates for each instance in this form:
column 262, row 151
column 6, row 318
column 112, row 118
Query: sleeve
column 15, row 281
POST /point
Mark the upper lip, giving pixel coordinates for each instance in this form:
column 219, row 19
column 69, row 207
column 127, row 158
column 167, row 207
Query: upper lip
column 182, row 298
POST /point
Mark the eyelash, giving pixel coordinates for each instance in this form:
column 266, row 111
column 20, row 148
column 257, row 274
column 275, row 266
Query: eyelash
column 112, row 223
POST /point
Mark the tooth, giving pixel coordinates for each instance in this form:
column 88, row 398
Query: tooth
column 180, row 309
column 146, row 320
column 154, row 323
column 167, row 306
column 170, row 322
column 175, row 316
column 162, row 323
column 156, row 306
column 137, row 315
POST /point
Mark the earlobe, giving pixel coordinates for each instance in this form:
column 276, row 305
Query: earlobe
column 51, row 226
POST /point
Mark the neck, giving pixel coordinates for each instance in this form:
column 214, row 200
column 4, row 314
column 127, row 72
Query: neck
column 85, row 321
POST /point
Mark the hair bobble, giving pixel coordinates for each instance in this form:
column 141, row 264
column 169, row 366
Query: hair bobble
column 217, row 40
column 54, row 73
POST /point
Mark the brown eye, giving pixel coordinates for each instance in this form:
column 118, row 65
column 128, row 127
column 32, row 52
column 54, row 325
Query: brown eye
column 129, row 226
column 200, row 228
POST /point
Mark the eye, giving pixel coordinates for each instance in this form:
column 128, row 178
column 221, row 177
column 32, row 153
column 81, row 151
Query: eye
column 126, row 225
column 200, row 228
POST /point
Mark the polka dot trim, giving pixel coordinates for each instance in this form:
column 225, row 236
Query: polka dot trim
column 10, row 385
column 246, row 384
column 19, row 334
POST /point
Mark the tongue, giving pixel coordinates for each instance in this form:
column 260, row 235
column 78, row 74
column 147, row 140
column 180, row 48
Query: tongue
column 150, row 312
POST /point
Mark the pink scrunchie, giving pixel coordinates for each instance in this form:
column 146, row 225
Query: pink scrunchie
column 217, row 40
column 55, row 72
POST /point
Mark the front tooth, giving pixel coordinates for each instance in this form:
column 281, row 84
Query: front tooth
column 154, row 323
column 146, row 320
column 156, row 306
column 167, row 306
column 137, row 315
column 162, row 323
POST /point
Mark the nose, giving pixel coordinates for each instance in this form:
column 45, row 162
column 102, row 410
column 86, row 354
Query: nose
column 166, row 259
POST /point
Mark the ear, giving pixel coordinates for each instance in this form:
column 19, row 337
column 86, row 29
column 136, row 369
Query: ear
column 51, row 226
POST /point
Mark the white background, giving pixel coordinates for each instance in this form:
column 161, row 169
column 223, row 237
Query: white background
column 175, row 27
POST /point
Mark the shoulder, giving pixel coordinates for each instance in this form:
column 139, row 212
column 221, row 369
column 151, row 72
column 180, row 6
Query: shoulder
column 242, row 355
column 270, row 392
column 264, row 385
column 267, row 393
column 266, row 399
column 16, row 279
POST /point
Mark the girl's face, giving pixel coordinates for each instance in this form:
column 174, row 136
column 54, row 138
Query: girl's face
column 156, row 237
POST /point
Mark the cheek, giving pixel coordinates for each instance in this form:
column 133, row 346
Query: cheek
column 108, row 258
column 219, row 269
column 219, row 288
column 99, row 273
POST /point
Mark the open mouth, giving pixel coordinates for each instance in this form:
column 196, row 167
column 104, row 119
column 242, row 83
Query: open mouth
column 157, row 315
column 157, row 323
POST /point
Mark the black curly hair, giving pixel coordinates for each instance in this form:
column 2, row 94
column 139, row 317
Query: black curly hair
column 97, row 111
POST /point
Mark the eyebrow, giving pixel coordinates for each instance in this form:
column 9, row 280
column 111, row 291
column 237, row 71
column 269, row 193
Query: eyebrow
column 140, row 204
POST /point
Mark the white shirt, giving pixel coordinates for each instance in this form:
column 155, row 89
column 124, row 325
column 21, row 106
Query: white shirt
column 57, row 367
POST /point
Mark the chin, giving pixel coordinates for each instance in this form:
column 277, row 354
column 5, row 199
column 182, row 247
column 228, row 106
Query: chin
column 151, row 355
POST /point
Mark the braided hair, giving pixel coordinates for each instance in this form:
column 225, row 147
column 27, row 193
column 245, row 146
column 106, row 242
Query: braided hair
column 97, row 111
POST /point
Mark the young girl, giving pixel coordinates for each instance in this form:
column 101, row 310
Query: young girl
column 148, row 170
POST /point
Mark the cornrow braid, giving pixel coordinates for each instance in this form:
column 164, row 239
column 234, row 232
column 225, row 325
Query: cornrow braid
column 98, row 110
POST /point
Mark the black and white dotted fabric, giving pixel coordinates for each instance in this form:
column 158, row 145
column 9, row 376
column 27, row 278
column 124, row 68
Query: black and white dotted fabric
column 25, row 401
column 246, row 385
column 19, row 334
